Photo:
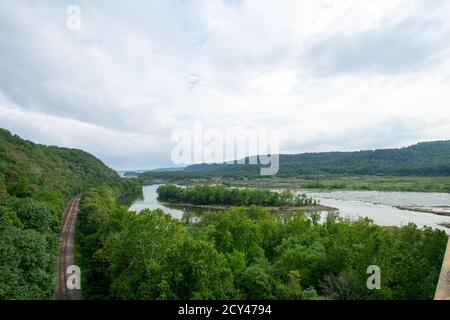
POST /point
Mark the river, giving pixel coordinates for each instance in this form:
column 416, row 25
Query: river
column 381, row 207
column 151, row 202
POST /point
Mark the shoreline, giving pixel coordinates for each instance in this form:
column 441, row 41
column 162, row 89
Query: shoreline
column 415, row 209
column 305, row 208
column 425, row 184
column 315, row 208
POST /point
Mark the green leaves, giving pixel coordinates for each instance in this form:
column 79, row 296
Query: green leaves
column 20, row 189
column 28, row 242
column 256, row 283
column 235, row 231
column 35, row 183
column 221, row 195
column 32, row 214
column 250, row 253
column 195, row 270
column 49, row 174
column 26, row 264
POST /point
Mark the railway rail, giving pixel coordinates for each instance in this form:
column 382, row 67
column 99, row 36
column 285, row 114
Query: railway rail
column 66, row 256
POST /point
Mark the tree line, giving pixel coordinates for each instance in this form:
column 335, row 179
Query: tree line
column 424, row 159
column 221, row 195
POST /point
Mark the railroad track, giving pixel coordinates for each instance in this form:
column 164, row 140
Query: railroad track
column 66, row 257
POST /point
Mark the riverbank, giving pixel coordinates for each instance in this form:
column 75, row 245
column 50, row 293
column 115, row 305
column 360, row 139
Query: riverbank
column 424, row 210
column 327, row 183
column 377, row 206
column 312, row 208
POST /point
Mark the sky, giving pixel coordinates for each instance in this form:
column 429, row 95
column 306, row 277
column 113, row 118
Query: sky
column 327, row 74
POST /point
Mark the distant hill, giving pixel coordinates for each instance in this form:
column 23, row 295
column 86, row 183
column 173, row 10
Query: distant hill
column 169, row 169
column 422, row 159
column 136, row 173
column 128, row 173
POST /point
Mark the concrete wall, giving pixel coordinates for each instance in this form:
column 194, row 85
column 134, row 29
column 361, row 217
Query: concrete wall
column 443, row 287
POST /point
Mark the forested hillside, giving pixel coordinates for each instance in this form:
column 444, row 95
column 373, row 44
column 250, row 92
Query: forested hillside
column 423, row 159
column 249, row 253
column 36, row 181
column 48, row 174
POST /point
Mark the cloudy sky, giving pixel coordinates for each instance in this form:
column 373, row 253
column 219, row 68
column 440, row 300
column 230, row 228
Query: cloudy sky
column 329, row 74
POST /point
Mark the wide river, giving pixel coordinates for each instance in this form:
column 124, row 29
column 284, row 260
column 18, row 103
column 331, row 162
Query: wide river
column 381, row 207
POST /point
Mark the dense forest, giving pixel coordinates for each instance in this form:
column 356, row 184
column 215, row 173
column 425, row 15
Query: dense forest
column 219, row 194
column 238, row 253
column 249, row 253
column 36, row 181
column 423, row 159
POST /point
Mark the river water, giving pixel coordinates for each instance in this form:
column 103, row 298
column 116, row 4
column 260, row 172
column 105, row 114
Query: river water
column 151, row 202
column 378, row 206
column 381, row 207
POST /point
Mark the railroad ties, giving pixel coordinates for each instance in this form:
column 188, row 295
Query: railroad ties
column 66, row 257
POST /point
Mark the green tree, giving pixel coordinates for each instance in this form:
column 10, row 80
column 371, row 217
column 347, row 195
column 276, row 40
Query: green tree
column 138, row 251
column 256, row 283
column 195, row 270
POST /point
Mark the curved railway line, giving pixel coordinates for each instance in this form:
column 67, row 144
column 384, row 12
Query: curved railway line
column 66, row 256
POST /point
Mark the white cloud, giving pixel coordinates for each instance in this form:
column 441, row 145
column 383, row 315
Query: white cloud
column 328, row 74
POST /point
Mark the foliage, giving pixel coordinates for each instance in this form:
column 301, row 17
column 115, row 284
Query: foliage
column 49, row 174
column 423, row 159
column 35, row 183
column 28, row 241
column 221, row 195
column 250, row 253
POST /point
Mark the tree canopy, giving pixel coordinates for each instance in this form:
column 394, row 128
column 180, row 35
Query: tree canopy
column 36, row 181
column 221, row 195
column 250, row 253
